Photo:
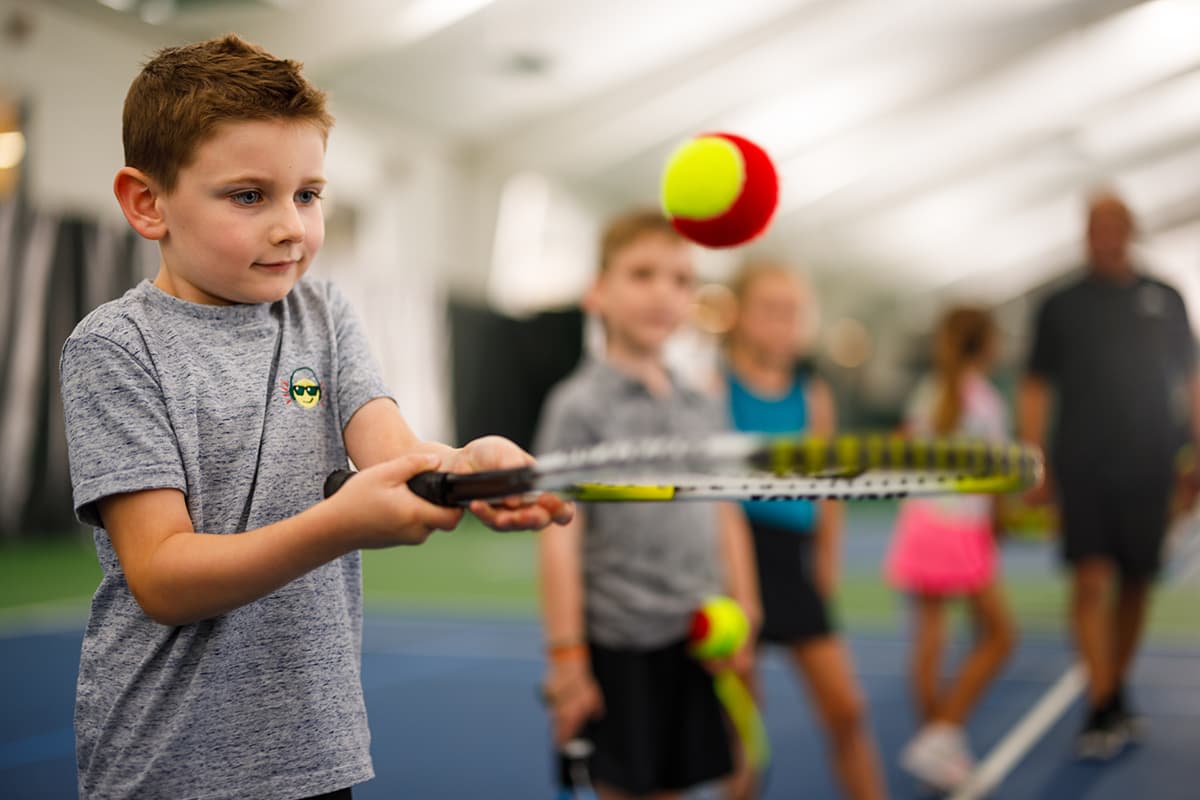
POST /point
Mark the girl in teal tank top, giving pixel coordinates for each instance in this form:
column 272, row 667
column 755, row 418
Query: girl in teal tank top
column 797, row 544
column 785, row 414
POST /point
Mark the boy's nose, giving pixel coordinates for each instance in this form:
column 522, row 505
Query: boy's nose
column 288, row 225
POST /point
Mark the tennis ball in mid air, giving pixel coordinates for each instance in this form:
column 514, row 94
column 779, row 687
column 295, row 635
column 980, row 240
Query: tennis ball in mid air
column 720, row 190
column 719, row 629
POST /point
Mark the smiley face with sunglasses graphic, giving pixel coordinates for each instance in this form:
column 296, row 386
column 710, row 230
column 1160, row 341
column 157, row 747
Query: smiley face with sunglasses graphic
column 304, row 389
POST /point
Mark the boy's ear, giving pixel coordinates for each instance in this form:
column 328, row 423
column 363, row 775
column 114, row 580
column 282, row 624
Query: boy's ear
column 591, row 298
column 138, row 195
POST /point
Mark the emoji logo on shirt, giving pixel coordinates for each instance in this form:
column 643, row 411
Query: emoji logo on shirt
column 303, row 386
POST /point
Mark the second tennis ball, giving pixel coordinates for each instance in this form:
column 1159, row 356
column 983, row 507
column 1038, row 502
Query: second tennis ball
column 719, row 629
column 720, row 190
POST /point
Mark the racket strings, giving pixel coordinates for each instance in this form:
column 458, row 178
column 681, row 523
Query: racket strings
column 844, row 457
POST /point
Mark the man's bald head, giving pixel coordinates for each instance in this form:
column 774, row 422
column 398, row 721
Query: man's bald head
column 1109, row 230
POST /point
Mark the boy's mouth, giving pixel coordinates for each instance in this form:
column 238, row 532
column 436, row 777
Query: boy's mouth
column 276, row 266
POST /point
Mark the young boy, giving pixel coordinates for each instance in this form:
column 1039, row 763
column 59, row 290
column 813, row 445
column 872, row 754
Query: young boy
column 620, row 585
column 203, row 411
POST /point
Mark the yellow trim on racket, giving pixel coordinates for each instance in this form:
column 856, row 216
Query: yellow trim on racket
column 601, row 492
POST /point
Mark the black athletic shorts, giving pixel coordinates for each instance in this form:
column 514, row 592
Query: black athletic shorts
column 340, row 794
column 1124, row 521
column 793, row 610
column 663, row 728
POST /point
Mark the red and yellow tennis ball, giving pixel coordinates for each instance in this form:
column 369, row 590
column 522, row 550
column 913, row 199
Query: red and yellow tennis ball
column 720, row 190
column 719, row 629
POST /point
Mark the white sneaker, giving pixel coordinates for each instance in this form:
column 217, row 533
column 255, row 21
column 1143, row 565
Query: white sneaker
column 939, row 756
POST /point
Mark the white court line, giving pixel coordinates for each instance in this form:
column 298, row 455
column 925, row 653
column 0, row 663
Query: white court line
column 1039, row 719
column 1013, row 747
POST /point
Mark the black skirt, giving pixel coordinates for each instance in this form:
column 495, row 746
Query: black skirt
column 793, row 610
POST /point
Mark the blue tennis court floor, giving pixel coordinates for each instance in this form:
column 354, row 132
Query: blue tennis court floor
column 453, row 714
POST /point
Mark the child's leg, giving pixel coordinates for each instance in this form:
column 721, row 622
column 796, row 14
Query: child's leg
column 827, row 669
column 995, row 637
column 929, row 638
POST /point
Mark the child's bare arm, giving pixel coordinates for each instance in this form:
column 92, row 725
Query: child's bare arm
column 737, row 554
column 378, row 432
column 179, row 576
column 828, row 542
column 570, row 688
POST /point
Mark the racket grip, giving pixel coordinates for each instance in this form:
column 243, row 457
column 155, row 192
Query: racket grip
column 335, row 479
column 431, row 486
column 451, row 489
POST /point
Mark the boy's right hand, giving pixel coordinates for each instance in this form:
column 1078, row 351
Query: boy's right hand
column 379, row 509
column 572, row 696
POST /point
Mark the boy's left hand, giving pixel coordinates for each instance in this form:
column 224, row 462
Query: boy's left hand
column 513, row 513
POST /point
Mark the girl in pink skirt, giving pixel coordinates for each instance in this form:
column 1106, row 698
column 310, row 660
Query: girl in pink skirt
column 945, row 548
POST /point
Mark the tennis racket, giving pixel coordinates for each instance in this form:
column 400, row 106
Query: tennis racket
column 744, row 714
column 575, row 781
column 740, row 466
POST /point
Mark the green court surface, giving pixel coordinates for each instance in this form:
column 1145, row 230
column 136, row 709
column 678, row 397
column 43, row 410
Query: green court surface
column 473, row 570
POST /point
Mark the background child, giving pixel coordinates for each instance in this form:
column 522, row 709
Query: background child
column 944, row 548
column 620, row 583
column 797, row 544
column 203, row 411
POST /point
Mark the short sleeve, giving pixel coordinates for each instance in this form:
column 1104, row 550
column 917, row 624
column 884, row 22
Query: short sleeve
column 359, row 379
column 119, row 435
column 1043, row 351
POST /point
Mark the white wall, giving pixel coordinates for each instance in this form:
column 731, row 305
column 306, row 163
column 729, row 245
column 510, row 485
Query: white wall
column 419, row 227
column 73, row 78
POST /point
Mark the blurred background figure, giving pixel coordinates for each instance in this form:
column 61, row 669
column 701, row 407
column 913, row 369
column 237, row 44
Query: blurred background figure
column 945, row 549
column 772, row 388
column 619, row 584
column 1117, row 353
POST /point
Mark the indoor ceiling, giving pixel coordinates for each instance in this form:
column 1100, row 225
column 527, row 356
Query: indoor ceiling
column 929, row 144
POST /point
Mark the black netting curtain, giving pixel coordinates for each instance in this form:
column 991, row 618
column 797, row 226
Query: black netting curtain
column 53, row 271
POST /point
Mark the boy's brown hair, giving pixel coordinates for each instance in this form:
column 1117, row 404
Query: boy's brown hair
column 627, row 228
column 184, row 93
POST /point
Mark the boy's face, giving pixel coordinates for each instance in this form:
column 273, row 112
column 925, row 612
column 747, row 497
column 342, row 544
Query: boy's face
column 244, row 220
column 646, row 292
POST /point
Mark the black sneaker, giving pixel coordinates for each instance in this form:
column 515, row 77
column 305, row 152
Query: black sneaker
column 1102, row 737
column 1124, row 717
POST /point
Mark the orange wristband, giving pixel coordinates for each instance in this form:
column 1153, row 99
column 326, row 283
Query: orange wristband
column 568, row 651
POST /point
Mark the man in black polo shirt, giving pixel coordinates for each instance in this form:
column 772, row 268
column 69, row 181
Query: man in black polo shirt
column 1117, row 350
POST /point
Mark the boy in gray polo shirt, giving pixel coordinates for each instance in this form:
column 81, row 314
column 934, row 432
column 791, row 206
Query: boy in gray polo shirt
column 620, row 583
column 203, row 411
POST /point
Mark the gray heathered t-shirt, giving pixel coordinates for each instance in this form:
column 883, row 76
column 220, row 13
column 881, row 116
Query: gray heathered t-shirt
column 647, row 566
column 241, row 408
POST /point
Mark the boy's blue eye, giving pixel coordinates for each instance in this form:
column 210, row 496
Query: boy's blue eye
column 247, row 198
column 307, row 196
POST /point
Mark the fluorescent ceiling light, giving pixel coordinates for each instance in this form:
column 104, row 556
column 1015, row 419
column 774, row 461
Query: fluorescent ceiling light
column 957, row 212
column 1156, row 186
column 822, row 107
column 1010, row 254
column 1042, row 95
column 421, row 19
column 1160, row 114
